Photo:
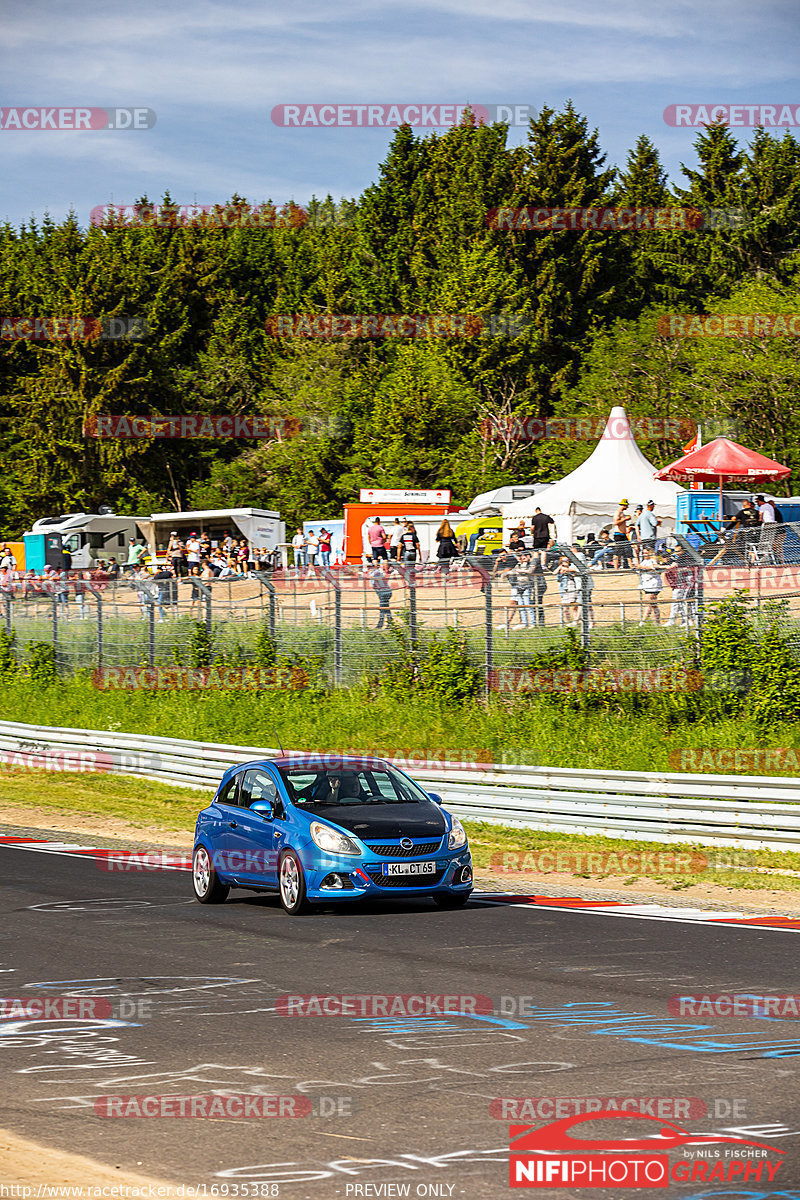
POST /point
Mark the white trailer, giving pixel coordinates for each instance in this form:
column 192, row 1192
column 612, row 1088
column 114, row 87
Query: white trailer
column 86, row 537
column 263, row 529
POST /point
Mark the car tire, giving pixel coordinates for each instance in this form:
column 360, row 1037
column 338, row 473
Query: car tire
column 292, row 885
column 451, row 899
column 206, row 883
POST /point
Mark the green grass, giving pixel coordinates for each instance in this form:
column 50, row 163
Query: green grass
column 140, row 801
column 532, row 732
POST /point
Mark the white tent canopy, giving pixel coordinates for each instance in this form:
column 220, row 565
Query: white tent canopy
column 586, row 500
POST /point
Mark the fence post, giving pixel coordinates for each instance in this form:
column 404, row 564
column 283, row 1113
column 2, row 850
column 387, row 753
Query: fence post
column 151, row 633
column 55, row 630
column 586, row 596
column 99, row 631
column 337, row 636
column 586, row 593
column 489, row 634
column 411, row 581
column 8, row 615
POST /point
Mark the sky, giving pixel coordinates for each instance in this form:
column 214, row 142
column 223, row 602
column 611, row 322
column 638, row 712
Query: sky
column 212, row 73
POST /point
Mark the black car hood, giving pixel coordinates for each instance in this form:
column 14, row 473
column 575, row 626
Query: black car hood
column 371, row 822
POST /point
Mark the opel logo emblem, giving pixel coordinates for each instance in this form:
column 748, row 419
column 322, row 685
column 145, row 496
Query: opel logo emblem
column 406, row 843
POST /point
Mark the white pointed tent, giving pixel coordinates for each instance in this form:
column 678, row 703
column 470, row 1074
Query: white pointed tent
column 586, row 500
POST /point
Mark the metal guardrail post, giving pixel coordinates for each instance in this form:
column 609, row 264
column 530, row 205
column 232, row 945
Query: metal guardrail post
column 699, row 562
column 337, row 636
column 411, row 582
column 267, row 583
column 586, row 592
column 55, row 629
column 151, row 633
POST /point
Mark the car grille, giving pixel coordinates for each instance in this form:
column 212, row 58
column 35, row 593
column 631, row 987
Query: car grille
column 404, row 881
column 419, row 850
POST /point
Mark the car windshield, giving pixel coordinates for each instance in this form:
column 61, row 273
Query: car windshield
column 337, row 786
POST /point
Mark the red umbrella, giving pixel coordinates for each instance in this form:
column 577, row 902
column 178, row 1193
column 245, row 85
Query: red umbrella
column 721, row 460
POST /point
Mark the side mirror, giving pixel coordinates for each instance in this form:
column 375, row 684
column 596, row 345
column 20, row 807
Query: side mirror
column 263, row 808
column 436, row 799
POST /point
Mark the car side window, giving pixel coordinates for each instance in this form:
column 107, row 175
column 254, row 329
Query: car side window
column 228, row 794
column 257, row 785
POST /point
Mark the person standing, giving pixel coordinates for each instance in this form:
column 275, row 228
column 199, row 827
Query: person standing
column 446, row 544
column 312, row 546
column 383, row 589
column 324, row 549
column 538, row 589
column 542, row 539
column 622, row 550
column 648, row 524
column 568, row 589
column 298, row 549
column 521, row 588
column 192, row 553
column 136, row 552
column 162, row 578
column 175, row 553
column 410, row 544
column 396, row 538
column 650, row 584
column 377, row 538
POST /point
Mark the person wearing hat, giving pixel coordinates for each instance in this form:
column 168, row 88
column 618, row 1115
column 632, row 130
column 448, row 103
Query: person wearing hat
column 175, row 553
column 648, row 524
column 136, row 552
column 622, row 546
column 192, row 552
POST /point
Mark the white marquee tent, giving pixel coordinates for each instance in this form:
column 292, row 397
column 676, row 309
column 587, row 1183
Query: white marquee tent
column 586, row 500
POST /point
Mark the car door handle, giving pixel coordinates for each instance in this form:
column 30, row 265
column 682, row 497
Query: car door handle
column 233, row 825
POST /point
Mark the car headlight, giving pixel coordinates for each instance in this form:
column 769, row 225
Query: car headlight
column 458, row 835
column 331, row 840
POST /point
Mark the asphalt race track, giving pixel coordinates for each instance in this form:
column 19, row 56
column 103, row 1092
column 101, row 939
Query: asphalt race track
column 395, row 1100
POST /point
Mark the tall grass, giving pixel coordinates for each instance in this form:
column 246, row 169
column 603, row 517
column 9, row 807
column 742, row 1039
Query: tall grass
column 529, row 731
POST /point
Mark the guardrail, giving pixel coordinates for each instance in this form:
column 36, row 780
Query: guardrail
column 741, row 811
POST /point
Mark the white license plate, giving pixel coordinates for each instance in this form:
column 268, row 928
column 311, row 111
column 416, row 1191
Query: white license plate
column 407, row 868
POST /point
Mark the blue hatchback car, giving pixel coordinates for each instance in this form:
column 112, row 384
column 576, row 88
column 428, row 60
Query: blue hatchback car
column 319, row 829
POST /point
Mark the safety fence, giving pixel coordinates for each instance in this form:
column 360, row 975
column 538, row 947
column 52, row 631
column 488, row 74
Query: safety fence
column 738, row 811
column 354, row 621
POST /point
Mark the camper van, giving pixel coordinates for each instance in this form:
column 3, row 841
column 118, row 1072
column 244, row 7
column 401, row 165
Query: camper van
column 85, row 537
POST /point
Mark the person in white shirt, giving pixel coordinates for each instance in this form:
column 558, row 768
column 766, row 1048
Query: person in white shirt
column 193, row 552
column 766, row 510
column 299, row 549
column 396, row 537
column 312, row 545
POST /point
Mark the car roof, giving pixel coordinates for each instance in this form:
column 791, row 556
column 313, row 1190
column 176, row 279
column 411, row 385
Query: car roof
column 317, row 762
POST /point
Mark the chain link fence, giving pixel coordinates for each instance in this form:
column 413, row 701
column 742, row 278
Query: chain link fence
column 352, row 623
